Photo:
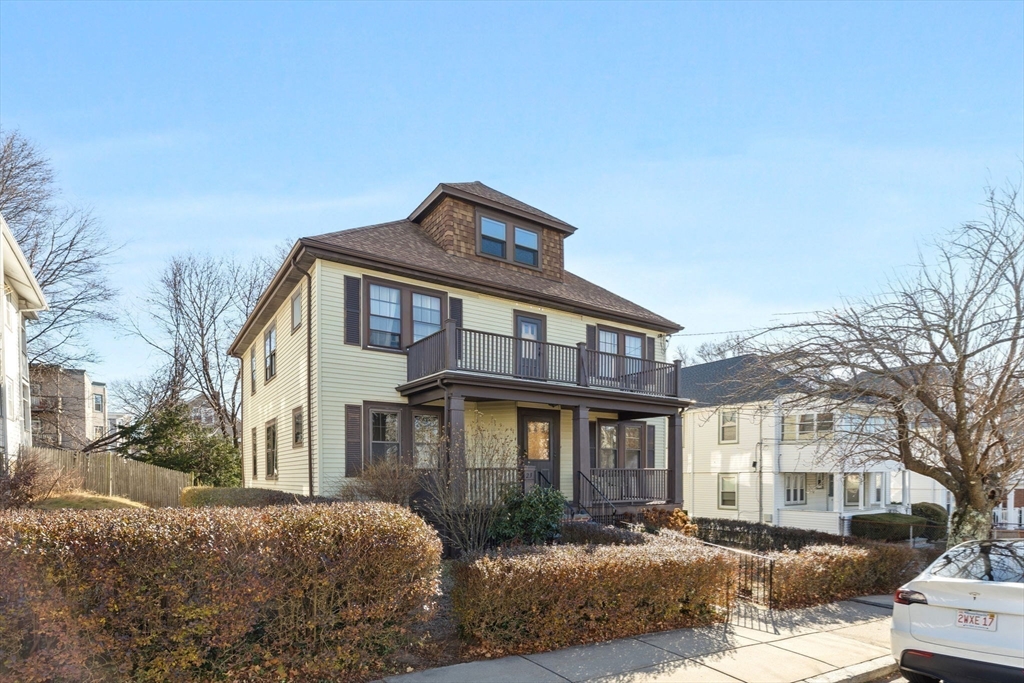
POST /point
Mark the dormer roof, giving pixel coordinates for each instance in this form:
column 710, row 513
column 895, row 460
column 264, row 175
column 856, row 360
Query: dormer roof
column 477, row 193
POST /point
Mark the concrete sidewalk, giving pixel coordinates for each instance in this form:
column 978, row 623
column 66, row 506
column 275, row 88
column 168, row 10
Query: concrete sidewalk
column 845, row 641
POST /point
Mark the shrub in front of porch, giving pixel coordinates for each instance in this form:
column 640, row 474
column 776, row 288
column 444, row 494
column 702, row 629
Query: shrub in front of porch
column 309, row 592
column 888, row 526
column 530, row 518
column 592, row 533
column 820, row 574
column 216, row 496
column 760, row 537
column 548, row 597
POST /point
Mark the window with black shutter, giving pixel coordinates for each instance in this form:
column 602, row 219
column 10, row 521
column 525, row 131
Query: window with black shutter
column 352, row 309
column 353, row 440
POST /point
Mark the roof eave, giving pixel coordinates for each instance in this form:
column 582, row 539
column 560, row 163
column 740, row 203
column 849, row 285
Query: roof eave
column 444, row 189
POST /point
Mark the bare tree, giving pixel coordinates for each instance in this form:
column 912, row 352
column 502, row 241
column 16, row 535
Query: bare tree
column 929, row 373
column 65, row 246
column 710, row 351
column 193, row 312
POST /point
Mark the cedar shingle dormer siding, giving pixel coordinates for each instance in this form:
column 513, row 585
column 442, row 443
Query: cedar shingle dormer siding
column 452, row 223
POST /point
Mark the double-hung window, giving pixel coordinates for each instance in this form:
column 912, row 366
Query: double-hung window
column 728, row 491
column 728, row 425
column 385, row 442
column 796, row 489
column 426, row 315
column 400, row 315
column 527, row 247
column 271, row 449
column 632, row 445
column 807, row 426
column 878, row 486
column 493, row 235
column 426, row 437
column 252, row 370
column 851, row 487
column 97, row 403
column 385, row 316
column 504, row 239
column 270, row 353
column 608, row 448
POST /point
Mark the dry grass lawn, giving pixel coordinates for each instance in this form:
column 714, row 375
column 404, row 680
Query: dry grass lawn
column 84, row 500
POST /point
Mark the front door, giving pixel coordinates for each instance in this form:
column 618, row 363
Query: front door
column 538, row 440
column 529, row 347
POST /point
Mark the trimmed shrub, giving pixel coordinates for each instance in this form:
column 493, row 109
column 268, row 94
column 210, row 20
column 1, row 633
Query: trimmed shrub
column 760, row 537
column 210, row 496
column 529, row 518
column 297, row 592
column 591, row 533
column 825, row 573
column 938, row 519
column 886, row 526
column 555, row 596
column 673, row 520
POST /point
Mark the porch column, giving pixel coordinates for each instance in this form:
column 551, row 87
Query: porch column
column 675, row 458
column 580, row 448
column 839, row 497
column 456, row 422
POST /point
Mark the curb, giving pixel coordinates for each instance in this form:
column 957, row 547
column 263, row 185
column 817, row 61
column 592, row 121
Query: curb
column 859, row 673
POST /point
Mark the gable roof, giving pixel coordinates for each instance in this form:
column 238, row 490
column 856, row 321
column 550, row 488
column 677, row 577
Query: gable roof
column 478, row 193
column 732, row 380
column 404, row 244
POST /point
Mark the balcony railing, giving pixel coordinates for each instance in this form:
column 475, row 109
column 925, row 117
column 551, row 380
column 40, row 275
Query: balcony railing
column 456, row 348
column 632, row 486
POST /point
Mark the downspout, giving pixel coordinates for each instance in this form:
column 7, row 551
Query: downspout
column 309, row 370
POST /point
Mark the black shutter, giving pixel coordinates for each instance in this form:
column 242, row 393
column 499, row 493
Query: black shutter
column 352, row 302
column 353, row 441
column 455, row 310
column 650, row 445
column 591, row 337
column 650, row 348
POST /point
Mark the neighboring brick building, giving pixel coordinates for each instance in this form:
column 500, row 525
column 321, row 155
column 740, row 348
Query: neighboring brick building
column 68, row 409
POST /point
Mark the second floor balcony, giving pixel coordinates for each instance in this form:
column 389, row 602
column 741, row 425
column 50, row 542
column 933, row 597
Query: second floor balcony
column 457, row 349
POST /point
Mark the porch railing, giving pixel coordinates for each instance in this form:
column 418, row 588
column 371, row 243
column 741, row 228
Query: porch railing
column 486, row 484
column 625, row 485
column 457, row 348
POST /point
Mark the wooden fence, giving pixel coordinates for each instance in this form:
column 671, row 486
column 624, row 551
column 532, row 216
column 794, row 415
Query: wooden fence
column 111, row 475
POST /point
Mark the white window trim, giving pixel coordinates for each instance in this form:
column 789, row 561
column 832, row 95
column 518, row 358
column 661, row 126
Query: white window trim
column 721, row 425
column 795, row 483
column 721, row 477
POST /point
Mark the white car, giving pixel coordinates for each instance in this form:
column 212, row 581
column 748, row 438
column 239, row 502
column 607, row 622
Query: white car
column 962, row 619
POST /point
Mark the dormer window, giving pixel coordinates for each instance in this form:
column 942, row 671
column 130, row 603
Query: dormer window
column 492, row 237
column 527, row 247
column 497, row 234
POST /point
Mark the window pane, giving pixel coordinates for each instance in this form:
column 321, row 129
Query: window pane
column 296, row 310
column 538, row 440
column 806, row 427
column 632, row 446
column 728, row 425
column 824, row 423
column 385, row 316
column 727, row 491
column 426, row 315
column 526, row 247
column 608, row 342
column 789, row 428
column 852, row 489
column 609, row 446
column 634, row 346
column 426, row 440
column 492, row 239
column 384, row 426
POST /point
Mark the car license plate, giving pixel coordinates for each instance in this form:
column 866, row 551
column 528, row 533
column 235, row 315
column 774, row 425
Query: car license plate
column 982, row 621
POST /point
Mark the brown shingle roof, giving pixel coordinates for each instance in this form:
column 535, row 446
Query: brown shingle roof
column 489, row 196
column 404, row 243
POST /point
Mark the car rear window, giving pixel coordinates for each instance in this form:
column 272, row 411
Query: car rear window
column 983, row 561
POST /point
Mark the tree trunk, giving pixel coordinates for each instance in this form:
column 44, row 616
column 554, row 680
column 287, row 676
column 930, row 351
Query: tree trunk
column 969, row 524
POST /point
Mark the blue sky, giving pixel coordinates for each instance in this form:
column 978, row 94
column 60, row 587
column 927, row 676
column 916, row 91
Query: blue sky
column 760, row 158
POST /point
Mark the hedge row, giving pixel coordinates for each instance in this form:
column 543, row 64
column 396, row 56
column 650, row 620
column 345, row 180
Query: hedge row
column 821, row 574
column 888, row 526
column 760, row 537
column 591, row 533
column 210, row 496
column 302, row 592
column 557, row 596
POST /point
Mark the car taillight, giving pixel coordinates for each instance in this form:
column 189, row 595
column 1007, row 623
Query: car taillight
column 909, row 597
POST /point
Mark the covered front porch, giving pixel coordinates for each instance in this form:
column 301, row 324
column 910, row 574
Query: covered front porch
column 826, row 501
column 607, row 451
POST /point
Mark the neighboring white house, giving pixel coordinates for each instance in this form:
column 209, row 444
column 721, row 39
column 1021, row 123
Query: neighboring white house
column 745, row 457
column 23, row 299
